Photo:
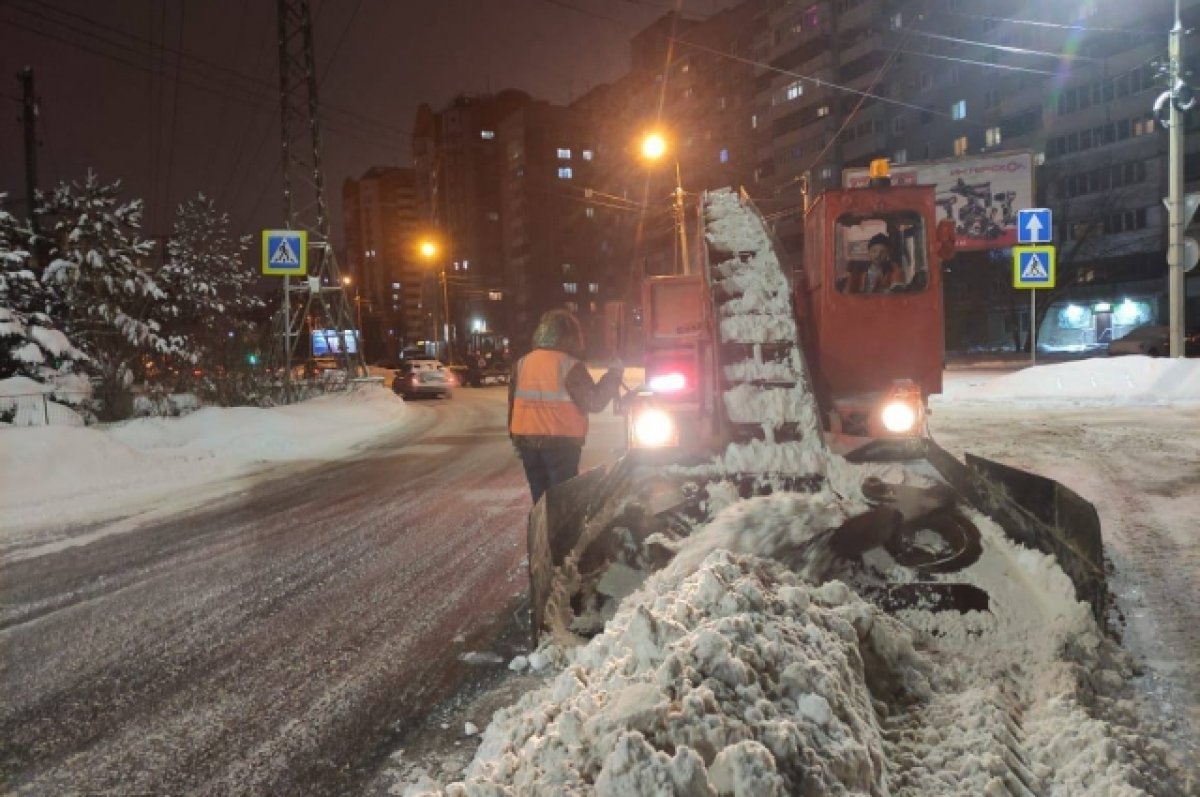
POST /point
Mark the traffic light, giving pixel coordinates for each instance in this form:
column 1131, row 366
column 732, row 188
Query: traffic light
column 252, row 358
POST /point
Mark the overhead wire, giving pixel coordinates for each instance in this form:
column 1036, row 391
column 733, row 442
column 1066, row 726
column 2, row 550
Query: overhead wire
column 1007, row 48
column 174, row 113
column 1061, row 26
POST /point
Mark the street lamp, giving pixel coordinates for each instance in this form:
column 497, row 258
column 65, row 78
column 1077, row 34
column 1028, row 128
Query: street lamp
column 357, row 314
column 654, row 148
column 430, row 250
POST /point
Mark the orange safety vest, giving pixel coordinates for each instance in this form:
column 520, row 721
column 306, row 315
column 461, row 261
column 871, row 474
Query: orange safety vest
column 542, row 407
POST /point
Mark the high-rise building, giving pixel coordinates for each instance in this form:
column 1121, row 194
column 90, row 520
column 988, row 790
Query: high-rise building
column 380, row 224
column 548, row 207
column 457, row 159
column 841, row 82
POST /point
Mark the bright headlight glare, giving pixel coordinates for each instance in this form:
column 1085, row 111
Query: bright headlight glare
column 653, row 429
column 899, row 417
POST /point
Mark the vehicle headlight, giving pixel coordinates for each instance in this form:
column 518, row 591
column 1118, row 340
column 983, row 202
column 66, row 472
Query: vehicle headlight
column 898, row 416
column 653, row 428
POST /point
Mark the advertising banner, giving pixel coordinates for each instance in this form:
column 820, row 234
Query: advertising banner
column 981, row 194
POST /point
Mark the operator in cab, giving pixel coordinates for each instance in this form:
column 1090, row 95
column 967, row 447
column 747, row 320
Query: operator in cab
column 882, row 272
column 550, row 395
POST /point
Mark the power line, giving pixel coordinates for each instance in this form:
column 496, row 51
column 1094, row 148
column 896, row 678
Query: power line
column 1006, row 67
column 1040, row 24
column 174, row 110
column 252, row 85
column 1008, row 48
column 341, row 40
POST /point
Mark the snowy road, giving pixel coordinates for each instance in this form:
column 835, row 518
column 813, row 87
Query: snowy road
column 1141, row 468
column 272, row 642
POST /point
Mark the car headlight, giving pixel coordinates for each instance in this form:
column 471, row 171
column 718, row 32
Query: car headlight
column 653, row 428
column 898, row 416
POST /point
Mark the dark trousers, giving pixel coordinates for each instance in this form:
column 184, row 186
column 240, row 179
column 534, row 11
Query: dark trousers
column 549, row 464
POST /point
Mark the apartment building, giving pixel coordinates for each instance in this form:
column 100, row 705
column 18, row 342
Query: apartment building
column 380, row 223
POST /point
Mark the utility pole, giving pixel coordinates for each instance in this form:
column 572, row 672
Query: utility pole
column 322, row 295
column 29, row 112
column 1179, row 98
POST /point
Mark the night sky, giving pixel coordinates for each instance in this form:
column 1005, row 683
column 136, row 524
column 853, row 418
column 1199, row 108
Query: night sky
column 115, row 98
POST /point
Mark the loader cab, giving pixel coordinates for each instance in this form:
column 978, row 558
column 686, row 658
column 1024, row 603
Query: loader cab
column 869, row 297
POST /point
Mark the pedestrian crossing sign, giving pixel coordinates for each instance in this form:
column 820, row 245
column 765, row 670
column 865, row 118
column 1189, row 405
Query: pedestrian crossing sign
column 285, row 252
column 1033, row 267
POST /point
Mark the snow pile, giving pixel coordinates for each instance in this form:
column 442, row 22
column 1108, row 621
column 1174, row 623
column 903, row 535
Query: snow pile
column 1113, row 381
column 736, row 679
column 27, row 402
column 60, row 475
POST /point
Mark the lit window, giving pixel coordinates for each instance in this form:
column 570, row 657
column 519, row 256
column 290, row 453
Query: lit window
column 901, row 156
column 593, row 287
column 495, row 296
column 991, row 136
column 567, row 269
column 960, row 145
column 573, row 307
column 794, row 90
column 897, row 21
column 826, row 172
column 590, row 212
column 395, row 297
column 754, row 121
column 564, row 154
column 395, row 286
column 959, row 110
column 823, row 111
column 570, row 287
column 723, row 156
column 487, row 134
column 564, row 173
column 587, row 154
column 466, row 264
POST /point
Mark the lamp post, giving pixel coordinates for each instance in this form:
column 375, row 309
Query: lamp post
column 654, row 148
column 357, row 314
column 429, row 250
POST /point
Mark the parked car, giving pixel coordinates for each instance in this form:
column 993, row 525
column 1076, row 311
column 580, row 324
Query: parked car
column 1155, row 341
column 416, row 378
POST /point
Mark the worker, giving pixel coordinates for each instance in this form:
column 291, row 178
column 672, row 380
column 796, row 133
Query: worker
column 880, row 274
column 550, row 395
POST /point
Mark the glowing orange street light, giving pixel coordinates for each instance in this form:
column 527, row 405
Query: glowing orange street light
column 428, row 249
column 654, row 146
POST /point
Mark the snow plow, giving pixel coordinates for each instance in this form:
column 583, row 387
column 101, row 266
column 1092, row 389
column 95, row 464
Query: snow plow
column 760, row 381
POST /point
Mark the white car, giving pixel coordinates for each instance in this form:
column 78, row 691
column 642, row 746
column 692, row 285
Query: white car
column 416, row 378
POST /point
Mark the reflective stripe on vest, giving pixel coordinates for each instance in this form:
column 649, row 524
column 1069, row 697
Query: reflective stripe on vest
column 542, row 406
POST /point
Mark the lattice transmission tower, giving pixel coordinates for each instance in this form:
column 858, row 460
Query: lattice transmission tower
column 319, row 302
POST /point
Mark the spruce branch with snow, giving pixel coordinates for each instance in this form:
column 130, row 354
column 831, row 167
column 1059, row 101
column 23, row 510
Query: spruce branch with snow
column 206, row 271
column 103, row 288
column 30, row 344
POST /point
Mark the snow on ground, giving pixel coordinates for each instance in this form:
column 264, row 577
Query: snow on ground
column 54, row 476
column 1113, row 381
column 728, row 675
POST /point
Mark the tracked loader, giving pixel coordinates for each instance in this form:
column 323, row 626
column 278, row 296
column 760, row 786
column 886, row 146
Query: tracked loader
column 760, row 380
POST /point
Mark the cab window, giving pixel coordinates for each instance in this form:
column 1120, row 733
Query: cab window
column 881, row 254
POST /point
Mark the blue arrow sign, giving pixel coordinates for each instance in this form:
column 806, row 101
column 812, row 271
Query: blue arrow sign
column 1033, row 226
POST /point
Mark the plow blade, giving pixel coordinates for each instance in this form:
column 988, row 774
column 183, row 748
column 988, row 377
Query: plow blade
column 1036, row 512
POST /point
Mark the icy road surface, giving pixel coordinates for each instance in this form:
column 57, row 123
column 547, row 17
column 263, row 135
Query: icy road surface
column 1140, row 466
column 273, row 641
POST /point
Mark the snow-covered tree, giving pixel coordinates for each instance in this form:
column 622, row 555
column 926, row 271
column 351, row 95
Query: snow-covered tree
column 30, row 345
column 206, row 271
column 103, row 290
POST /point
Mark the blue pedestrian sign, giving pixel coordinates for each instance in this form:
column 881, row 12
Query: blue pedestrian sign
column 1033, row 267
column 285, row 252
column 1033, row 226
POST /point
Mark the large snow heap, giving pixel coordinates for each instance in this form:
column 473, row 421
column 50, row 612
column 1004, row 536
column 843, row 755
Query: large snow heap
column 734, row 679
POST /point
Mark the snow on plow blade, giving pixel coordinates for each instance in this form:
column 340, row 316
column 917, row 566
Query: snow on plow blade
column 1037, row 512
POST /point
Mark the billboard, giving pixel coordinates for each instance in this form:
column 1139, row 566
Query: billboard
column 325, row 342
column 981, row 194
